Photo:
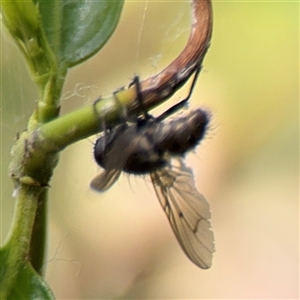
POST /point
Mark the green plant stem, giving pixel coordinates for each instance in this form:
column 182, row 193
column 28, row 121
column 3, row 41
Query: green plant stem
column 70, row 128
column 49, row 105
column 87, row 121
column 38, row 237
column 27, row 199
column 18, row 246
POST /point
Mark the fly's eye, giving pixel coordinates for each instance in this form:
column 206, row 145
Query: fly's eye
column 100, row 152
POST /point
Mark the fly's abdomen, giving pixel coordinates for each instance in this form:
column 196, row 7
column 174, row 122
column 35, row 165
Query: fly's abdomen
column 182, row 134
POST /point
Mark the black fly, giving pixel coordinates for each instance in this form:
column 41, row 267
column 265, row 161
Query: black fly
column 157, row 146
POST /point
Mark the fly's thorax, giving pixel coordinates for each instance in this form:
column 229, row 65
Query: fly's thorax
column 129, row 148
column 143, row 157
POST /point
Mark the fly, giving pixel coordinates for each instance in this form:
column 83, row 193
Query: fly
column 157, row 146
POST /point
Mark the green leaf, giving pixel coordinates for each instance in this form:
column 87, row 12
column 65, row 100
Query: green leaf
column 22, row 19
column 76, row 29
column 55, row 35
column 20, row 281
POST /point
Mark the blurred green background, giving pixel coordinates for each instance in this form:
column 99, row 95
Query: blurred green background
column 119, row 244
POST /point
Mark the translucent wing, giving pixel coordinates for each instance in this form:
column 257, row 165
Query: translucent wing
column 187, row 210
column 105, row 180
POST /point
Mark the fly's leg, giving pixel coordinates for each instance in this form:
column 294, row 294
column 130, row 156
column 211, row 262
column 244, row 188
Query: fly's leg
column 102, row 126
column 137, row 84
column 101, row 120
column 108, row 131
column 183, row 102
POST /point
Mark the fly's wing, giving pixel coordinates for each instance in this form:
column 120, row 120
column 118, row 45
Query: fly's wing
column 105, row 180
column 187, row 210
